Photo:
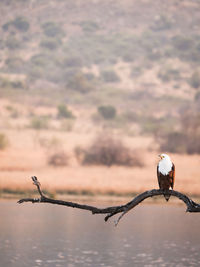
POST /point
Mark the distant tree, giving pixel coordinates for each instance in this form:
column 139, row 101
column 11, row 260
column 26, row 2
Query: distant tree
column 89, row 26
column 58, row 159
column 195, row 80
column 20, row 23
column 63, row 112
column 13, row 42
column 50, row 43
column 39, row 123
column 52, row 29
column 108, row 151
column 107, row 112
column 72, row 62
column 182, row 43
column 110, row 76
column 162, row 23
column 80, row 83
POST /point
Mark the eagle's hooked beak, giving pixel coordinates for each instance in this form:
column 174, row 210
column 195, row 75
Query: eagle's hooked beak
column 160, row 156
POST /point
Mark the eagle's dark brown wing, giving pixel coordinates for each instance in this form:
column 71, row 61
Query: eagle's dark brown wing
column 172, row 176
column 159, row 178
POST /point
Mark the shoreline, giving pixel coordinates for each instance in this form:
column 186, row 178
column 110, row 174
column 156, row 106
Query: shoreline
column 92, row 197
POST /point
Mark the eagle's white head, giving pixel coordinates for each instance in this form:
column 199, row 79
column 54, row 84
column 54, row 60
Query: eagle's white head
column 165, row 164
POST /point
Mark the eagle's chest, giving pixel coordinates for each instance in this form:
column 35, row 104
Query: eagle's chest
column 165, row 167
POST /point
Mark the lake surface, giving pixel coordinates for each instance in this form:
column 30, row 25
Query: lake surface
column 35, row 235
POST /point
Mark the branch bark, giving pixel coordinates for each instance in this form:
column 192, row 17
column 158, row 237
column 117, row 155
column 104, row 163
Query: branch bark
column 111, row 211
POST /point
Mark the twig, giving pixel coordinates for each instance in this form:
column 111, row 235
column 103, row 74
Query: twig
column 111, row 211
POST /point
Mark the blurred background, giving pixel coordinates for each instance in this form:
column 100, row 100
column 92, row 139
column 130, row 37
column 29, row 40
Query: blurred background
column 92, row 91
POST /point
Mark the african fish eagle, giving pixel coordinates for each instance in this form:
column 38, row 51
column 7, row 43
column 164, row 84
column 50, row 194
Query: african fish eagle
column 165, row 173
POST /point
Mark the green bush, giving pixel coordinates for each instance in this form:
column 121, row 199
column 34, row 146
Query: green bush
column 72, row 62
column 194, row 80
column 50, row 43
column 52, row 29
column 89, row 26
column 90, row 76
column 13, row 43
column 3, row 141
column 15, row 63
column 20, row 23
column 168, row 73
column 18, row 84
column 128, row 57
column 154, row 55
column 182, row 43
column 162, row 23
column 107, row 112
column 6, row 26
column 194, row 55
column 136, row 71
column 80, row 83
column 35, row 72
column 110, row 76
column 42, row 60
column 15, row 84
column 39, row 123
column 63, row 112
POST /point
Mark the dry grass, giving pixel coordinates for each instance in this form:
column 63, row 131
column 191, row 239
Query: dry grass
column 26, row 158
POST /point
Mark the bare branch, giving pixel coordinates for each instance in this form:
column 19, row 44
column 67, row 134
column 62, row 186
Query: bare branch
column 44, row 199
column 111, row 211
column 191, row 205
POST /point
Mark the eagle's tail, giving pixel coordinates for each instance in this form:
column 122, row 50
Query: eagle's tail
column 166, row 196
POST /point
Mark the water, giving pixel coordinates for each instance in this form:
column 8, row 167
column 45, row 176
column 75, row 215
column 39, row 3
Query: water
column 34, row 235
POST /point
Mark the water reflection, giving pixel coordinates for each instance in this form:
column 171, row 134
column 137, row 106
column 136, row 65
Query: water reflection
column 45, row 235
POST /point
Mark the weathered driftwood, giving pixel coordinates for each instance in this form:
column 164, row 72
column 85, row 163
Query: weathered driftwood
column 111, row 211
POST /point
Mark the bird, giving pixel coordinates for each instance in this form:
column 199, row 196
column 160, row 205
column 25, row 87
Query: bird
column 165, row 174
